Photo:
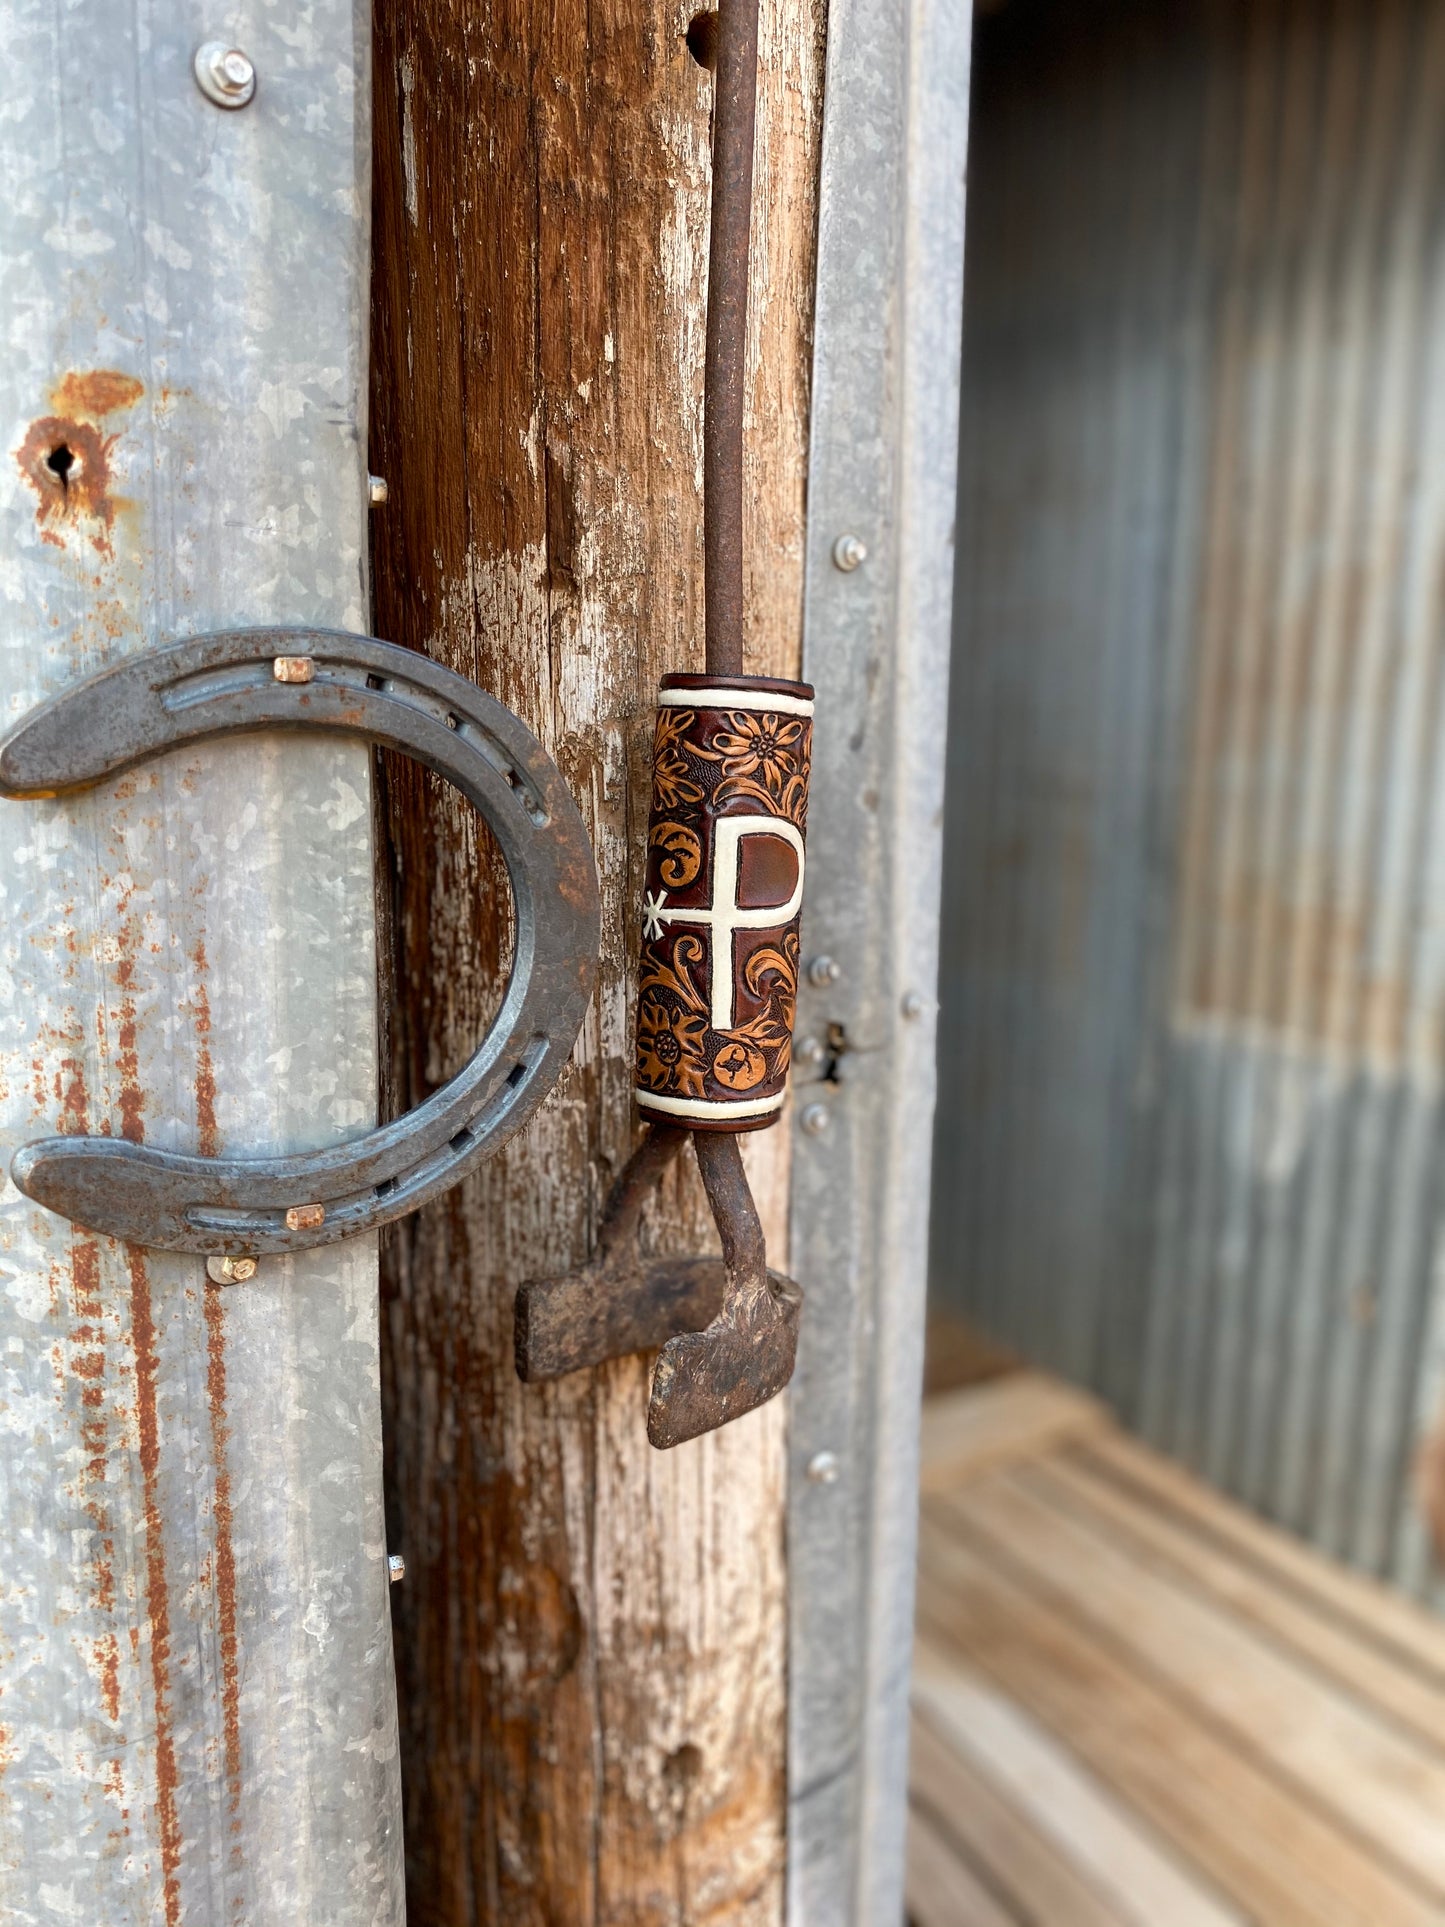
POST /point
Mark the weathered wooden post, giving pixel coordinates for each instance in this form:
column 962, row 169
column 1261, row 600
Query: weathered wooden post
column 592, row 1633
column 593, row 1637
column 197, row 1713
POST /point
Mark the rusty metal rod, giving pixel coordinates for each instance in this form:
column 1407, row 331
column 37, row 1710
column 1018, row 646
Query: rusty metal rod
column 735, row 87
column 636, row 1185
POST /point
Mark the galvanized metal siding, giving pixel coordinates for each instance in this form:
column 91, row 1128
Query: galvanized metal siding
column 876, row 642
column 1195, row 948
column 197, row 1708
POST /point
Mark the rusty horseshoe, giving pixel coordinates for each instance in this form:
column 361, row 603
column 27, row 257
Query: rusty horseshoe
column 253, row 679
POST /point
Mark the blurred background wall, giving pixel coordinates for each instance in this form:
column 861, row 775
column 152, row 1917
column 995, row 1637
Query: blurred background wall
column 1190, row 1136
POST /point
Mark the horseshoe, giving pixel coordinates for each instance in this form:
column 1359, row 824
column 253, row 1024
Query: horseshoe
column 342, row 685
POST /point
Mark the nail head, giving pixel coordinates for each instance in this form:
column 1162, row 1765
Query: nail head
column 233, row 1269
column 849, row 553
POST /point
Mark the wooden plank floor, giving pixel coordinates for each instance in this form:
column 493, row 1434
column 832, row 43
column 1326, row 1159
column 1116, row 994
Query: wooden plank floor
column 1135, row 1703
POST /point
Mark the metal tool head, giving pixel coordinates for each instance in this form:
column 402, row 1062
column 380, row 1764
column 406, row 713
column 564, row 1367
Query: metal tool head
column 705, row 1379
column 745, row 1356
column 607, row 1311
column 620, row 1302
column 727, row 1327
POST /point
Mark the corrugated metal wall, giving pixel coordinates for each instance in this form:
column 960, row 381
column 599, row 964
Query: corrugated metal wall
column 1194, row 982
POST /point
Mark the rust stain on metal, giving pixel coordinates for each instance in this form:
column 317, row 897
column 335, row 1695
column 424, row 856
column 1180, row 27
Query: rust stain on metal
column 225, row 1567
column 67, row 463
column 132, row 1097
column 107, row 1656
column 158, row 1608
column 207, row 1134
column 65, row 456
column 88, row 1309
column 95, row 393
column 74, row 1100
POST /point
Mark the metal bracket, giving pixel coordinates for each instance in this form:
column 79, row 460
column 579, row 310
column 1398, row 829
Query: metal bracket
column 255, row 679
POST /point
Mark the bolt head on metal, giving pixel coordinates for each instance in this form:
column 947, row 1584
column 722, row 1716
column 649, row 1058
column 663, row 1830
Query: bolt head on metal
column 849, row 553
column 823, row 971
column 912, row 1004
column 224, row 74
column 230, row 1270
column 395, row 1567
column 809, row 1052
column 823, row 1468
column 376, row 490
column 814, row 1119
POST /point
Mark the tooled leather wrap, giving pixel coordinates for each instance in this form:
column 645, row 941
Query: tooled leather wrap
column 722, row 905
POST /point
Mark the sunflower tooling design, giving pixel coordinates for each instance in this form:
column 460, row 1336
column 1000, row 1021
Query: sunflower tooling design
column 723, row 900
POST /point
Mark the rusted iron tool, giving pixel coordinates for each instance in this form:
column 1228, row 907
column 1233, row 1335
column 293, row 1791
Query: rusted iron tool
column 718, row 981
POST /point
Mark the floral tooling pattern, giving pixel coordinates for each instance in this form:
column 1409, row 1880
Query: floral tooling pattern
column 710, row 763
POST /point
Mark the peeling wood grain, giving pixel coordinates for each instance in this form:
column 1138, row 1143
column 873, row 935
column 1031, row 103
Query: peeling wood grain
column 591, row 1635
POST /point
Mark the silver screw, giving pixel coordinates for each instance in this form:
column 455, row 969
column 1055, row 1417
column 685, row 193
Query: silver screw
column 810, row 1052
column 823, row 1468
column 395, row 1567
column 231, row 1270
column 912, row 1004
column 376, row 490
column 224, row 74
column 823, row 971
column 849, row 553
column 814, row 1119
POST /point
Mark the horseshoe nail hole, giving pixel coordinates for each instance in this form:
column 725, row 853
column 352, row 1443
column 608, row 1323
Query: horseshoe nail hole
column 462, row 1139
column 516, row 1074
column 453, row 722
column 385, row 1188
column 702, row 34
column 376, row 682
column 60, row 461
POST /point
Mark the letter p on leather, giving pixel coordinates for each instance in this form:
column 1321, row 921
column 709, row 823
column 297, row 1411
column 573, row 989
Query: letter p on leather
column 723, row 901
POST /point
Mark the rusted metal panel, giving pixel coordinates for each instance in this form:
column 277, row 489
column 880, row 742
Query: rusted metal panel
column 1195, row 945
column 196, row 1688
